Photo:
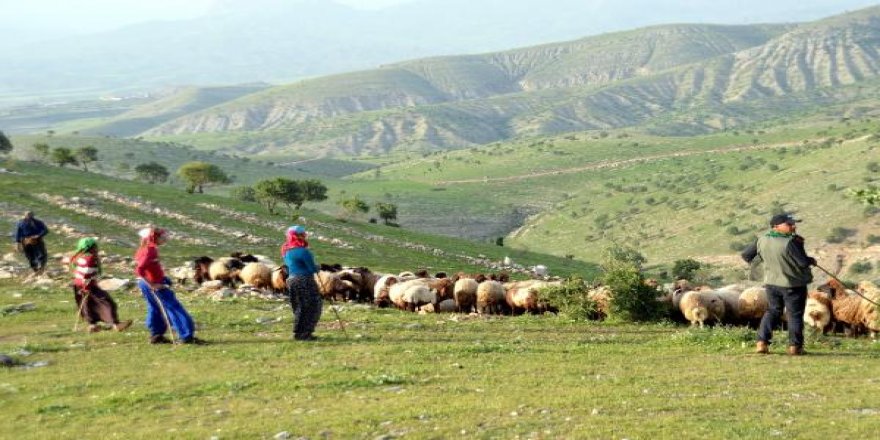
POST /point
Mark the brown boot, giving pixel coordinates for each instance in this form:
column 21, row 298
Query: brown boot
column 794, row 350
column 762, row 347
column 121, row 326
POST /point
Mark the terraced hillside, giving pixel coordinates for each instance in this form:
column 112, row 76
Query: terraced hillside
column 75, row 203
column 672, row 79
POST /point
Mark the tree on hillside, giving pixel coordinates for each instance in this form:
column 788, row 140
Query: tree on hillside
column 197, row 175
column 63, row 156
column 151, row 172
column 387, row 212
column 41, row 150
column 271, row 192
column 354, row 206
column 86, row 155
column 313, row 191
column 244, row 194
column 5, row 143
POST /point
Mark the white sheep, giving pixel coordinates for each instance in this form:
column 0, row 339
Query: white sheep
column 381, row 290
column 465, row 294
column 409, row 295
column 490, row 297
column 817, row 313
column 257, row 274
column 699, row 307
column 225, row 269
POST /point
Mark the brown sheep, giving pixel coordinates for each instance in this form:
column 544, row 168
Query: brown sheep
column 490, row 298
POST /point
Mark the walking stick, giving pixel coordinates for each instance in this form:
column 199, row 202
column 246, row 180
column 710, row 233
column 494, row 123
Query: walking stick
column 162, row 308
column 841, row 283
column 82, row 304
column 339, row 320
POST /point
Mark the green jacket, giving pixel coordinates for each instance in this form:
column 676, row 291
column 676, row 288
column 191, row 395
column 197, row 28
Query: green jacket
column 786, row 263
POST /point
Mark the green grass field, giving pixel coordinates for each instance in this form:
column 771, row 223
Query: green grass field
column 392, row 374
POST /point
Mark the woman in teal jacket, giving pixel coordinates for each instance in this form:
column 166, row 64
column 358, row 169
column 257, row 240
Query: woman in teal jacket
column 304, row 297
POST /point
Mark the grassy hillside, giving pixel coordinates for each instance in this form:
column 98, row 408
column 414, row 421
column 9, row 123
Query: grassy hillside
column 380, row 247
column 697, row 197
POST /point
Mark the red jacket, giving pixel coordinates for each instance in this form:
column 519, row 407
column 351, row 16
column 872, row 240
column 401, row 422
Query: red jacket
column 147, row 265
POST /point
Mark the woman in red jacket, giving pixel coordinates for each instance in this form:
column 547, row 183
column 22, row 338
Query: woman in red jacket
column 155, row 287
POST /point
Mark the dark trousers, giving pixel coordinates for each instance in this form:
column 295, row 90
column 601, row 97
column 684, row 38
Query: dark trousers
column 36, row 255
column 794, row 300
column 99, row 305
column 306, row 304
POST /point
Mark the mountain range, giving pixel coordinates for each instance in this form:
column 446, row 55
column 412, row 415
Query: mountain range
column 667, row 79
column 284, row 40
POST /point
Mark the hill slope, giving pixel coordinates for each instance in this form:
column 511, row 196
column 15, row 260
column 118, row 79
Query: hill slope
column 681, row 78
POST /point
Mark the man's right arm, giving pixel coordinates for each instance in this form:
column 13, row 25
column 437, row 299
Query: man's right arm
column 750, row 252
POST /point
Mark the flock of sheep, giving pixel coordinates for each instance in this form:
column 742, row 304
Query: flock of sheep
column 419, row 291
column 831, row 307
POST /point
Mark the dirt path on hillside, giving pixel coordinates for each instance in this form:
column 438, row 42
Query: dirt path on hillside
column 615, row 164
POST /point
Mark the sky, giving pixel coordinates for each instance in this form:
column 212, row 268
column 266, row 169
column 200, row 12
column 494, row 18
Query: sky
column 80, row 16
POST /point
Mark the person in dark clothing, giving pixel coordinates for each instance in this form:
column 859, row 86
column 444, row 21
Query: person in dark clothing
column 29, row 233
column 786, row 276
column 305, row 300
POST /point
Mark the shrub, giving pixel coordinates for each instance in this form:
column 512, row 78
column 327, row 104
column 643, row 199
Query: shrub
column 244, row 194
column 840, row 234
column 861, row 268
column 873, row 239
column 633, row 300
column 685, row 269
column 571, row 299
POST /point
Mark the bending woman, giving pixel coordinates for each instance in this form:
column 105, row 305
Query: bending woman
column 304, row 298
column 99, row 306
column 156, row 286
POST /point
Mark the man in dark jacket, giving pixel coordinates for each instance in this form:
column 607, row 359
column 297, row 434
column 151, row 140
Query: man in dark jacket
column 29, row 233
column 786, row 276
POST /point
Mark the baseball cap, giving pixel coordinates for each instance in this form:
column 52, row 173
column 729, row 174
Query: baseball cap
column 779, row 219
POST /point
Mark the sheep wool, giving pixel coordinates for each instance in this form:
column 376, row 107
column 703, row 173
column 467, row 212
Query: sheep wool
column 257, row 274
column 699, row 307
column 490, row 297
column 465, row 294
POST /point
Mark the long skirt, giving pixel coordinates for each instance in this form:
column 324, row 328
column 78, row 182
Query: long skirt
column 306, row 304
column 99, row 306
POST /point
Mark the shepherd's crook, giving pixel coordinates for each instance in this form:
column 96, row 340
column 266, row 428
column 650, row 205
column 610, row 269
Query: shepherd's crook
column 339, row 320
column 82, row 303
column 844, row 285
column 162, row 308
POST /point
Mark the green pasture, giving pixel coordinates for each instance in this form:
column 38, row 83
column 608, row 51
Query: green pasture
column 393, row 374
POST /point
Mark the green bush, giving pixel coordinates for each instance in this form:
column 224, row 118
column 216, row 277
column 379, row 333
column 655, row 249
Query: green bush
column 861, row 268
column 633, row 300
column 685, row 269
column 840, row 234
column 571, row 299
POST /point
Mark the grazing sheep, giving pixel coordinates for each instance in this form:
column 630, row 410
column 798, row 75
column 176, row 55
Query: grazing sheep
column 817, row 313
column 226, row 269
column 730, row 295
column 601, row 296
column 752, row 305
column 522, row 296
column 409, row 295
column 332, row 287
column 702, row 307
column 465, row 294
column 490, row 297
column 846, row 308
column 245, row 258
column 257, row 274
column 201, row 269
column 381, row 290
column 363, row 280
column 279, row 279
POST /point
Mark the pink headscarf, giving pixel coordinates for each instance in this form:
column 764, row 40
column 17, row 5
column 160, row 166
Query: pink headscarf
column 296, row 238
